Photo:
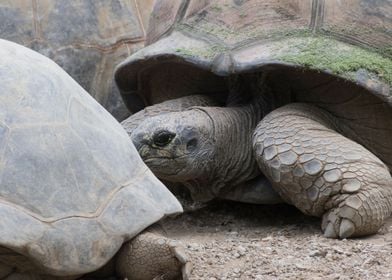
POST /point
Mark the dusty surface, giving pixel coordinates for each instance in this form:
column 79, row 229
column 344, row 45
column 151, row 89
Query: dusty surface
column 238, row 241
column 229, row 240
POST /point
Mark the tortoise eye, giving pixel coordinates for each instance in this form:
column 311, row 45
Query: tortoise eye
column 162, row 138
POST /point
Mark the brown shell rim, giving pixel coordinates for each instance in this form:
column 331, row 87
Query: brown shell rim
column 127, row 74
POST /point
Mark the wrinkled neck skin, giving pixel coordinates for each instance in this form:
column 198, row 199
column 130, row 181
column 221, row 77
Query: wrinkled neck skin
column 232, row 160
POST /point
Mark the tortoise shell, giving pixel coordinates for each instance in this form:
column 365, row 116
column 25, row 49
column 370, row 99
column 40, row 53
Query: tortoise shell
column 72, row 186
column 192, row 45
column 86, row 38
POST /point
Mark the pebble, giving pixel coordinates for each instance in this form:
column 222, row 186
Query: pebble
column 318, row 253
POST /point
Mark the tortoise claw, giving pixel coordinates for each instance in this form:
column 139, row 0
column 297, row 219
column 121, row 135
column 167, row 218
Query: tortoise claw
column 181, row 255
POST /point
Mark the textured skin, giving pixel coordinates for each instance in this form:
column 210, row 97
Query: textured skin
column 300, row 148
column 213, row 130
column 150, row 255
column 175, row 105
column 323, row 173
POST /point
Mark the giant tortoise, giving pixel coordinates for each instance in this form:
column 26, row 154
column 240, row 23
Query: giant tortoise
column 73, row 188
column 308, row 104
column 85, row 37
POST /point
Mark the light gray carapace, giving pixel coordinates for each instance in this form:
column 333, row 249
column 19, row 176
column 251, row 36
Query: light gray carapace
column 73, row 188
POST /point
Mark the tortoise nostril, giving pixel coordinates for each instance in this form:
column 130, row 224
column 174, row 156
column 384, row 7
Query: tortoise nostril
column 163, row 138
column 191, row 144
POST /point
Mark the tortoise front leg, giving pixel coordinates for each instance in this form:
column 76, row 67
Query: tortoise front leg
column 323, row 173
column 151, row 255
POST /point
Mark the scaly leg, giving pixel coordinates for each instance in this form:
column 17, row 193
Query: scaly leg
column 323, row 173
column 150, row 255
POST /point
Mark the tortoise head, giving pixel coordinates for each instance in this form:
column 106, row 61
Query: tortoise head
column 215, row 47
column 175, row 145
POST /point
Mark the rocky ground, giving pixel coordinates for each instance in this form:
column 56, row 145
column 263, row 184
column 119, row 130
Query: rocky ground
column 240, row 241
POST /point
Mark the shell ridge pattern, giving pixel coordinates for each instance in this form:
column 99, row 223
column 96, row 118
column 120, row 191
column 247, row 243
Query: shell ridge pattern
column 317, row 16
column 192, row 32
column 92, row 154
column 104, row 49
column 4, row 143
column 206, row 37
column 48, row 124
column 70, row 165
column 96, row 214
column 73, row 187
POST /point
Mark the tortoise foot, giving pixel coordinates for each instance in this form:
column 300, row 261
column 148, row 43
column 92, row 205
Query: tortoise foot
column 358, row 214
column 151, row 255
column 323, row 173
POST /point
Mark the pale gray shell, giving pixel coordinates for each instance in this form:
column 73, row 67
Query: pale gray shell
column 72, row 186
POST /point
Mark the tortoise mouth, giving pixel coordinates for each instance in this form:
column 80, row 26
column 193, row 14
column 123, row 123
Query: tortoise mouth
column 164, row 168
column 159, row 161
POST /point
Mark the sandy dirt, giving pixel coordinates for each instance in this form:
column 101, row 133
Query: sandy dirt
column 227, row 240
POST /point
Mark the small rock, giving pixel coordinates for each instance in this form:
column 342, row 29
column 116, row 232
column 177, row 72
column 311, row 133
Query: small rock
column 268, row 238
column 301, row 266
column 318, row 253
column 241, row 251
